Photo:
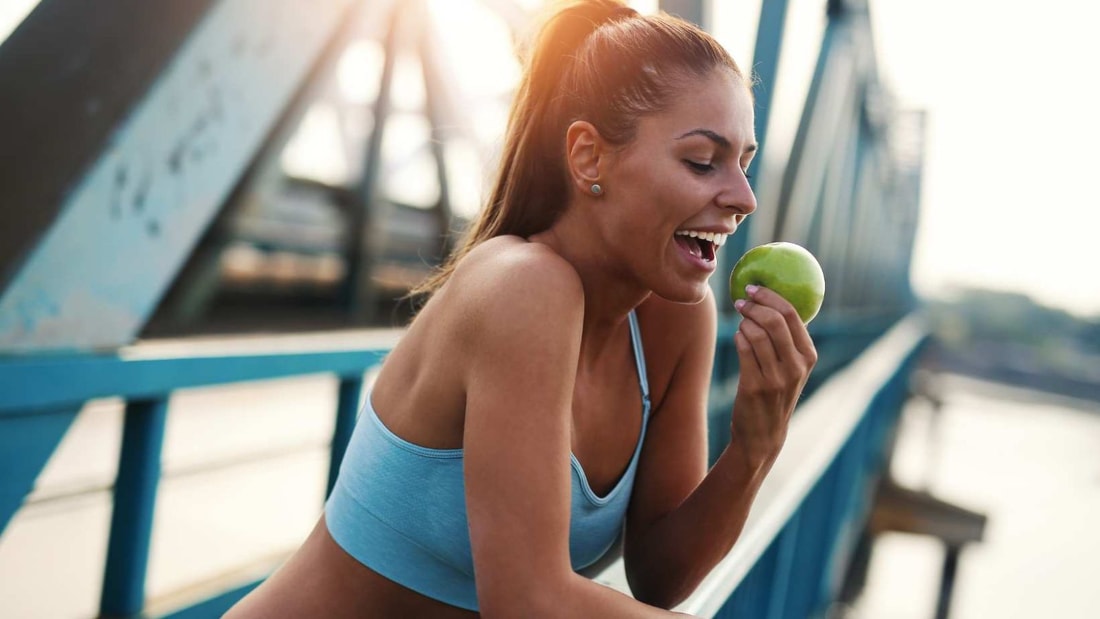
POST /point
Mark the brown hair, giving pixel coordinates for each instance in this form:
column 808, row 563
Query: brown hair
column 593, row 60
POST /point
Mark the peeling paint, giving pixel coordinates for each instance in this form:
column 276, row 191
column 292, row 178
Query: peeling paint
column 43, row 319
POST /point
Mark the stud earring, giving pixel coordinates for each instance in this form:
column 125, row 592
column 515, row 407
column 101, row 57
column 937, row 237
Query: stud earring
column 596, row 189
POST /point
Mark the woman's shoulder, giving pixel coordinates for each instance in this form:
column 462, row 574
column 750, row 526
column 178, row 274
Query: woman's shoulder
column 511, row 278
column 514, row 257
column 509, row 265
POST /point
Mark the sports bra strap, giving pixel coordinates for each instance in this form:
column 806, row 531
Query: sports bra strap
column 639, row 358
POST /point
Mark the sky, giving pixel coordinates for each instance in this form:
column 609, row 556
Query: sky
column 1013, row 126
column 1009, row 197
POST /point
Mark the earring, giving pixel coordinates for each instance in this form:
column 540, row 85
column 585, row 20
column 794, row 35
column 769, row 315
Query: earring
column 596, row 189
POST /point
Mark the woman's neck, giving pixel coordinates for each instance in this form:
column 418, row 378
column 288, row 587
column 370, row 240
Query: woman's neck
column 610, row 293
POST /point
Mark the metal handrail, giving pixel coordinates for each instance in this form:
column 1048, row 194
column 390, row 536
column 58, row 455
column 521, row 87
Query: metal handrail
column 819, row 434
column 145, row 376
column 152, row 369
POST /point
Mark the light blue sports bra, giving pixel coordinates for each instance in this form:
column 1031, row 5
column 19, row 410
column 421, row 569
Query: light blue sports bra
column 400, row 509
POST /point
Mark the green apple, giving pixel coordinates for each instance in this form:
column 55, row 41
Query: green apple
column 788, row 269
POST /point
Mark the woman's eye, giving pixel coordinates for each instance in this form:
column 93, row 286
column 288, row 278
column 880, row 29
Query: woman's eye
column 699, row 168
column 746, row 173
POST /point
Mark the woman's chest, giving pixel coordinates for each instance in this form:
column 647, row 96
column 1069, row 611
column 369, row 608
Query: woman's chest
column 607, row 421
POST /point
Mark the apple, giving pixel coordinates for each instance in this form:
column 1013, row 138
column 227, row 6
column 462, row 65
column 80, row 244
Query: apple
column 788, row 269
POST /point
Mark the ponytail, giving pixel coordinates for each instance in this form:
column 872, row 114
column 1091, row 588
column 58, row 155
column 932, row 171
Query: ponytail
column 596, row 60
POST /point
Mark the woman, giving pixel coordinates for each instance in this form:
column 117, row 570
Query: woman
column 553, row 389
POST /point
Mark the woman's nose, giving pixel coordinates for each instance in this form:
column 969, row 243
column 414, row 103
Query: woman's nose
column 739, row 196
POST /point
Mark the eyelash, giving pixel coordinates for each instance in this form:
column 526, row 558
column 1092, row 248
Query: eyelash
column 703, row 168
column 699, row 168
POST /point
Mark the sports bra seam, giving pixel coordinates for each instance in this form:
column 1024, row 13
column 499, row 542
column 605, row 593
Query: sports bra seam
column 643, row 385
column 397, row 441
column 639, row 357
column 587, row 490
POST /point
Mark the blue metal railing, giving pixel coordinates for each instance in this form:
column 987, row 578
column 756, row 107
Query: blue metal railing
column 33, row 390
column 804, row 524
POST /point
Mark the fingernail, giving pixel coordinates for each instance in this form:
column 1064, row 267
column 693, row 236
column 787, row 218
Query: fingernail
column 738, row 304
column 751, row 289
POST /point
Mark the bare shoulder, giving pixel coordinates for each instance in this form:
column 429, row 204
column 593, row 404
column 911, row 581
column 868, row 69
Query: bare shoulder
column 505, row 298
column 508, row 284
column 510, row 261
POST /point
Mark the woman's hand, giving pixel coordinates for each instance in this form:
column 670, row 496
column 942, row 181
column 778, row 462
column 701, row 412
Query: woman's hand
column 776, row 355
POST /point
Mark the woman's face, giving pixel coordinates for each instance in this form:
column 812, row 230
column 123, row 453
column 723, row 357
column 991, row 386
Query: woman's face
column 677, row 191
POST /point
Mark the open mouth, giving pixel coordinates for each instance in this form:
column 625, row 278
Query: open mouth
column 702, row 245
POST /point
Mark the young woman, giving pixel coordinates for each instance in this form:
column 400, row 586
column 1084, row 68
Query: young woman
column 552, row 391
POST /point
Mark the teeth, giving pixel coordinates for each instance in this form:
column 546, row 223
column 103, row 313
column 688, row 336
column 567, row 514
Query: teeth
column 717, row 238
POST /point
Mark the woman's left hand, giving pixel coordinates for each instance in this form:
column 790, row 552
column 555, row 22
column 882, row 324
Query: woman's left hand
column 776, row 355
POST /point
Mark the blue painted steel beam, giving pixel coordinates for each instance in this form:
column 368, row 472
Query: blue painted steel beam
column 852, row 279
column 781, row 586
column 752, row 597
column 347, row 407
column 837, row 188
column 793, row 170
column 814, row 153
column 132, row 518
column 852, row 480
column 765, row 68
column 26, row 444
column 864, row 233
column 129, row 223
column 49, row 383
column 70, row 76
column 837, row 220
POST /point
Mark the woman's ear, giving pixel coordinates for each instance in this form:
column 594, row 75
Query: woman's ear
column 584, row 151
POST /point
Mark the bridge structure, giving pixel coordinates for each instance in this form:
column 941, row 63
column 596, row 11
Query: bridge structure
column 154, row 176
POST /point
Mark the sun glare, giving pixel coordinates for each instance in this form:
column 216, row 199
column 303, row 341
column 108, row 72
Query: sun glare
column 12, row 13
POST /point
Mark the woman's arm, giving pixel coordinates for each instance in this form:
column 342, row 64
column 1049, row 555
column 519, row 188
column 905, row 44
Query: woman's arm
column 683, row 519
column 524, row 340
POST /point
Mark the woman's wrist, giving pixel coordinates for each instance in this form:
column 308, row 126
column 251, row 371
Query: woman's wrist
column 746, row 464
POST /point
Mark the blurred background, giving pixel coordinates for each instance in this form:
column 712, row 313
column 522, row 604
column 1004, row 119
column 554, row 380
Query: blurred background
column 183, row 178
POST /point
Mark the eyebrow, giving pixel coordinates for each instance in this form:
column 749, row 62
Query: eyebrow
column 716, row 138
